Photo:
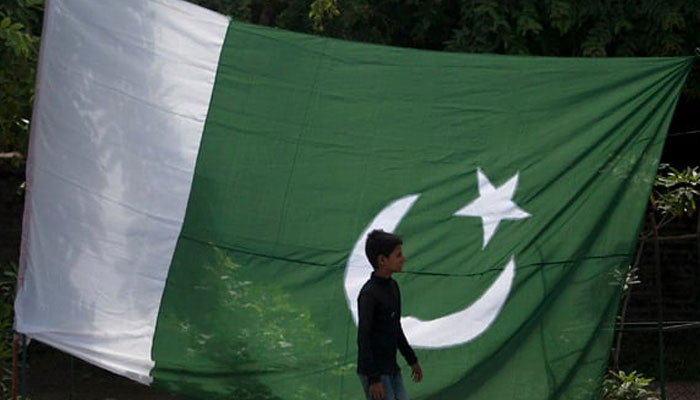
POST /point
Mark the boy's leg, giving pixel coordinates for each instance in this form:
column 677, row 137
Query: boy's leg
column 399, row 391
column 388, row 383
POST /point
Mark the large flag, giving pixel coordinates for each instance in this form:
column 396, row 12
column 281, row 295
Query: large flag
column 199, row 191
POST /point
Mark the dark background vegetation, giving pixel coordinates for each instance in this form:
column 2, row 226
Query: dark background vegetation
column 562, row 28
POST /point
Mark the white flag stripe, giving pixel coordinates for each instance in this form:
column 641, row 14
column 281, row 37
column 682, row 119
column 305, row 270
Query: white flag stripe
column 124, row 89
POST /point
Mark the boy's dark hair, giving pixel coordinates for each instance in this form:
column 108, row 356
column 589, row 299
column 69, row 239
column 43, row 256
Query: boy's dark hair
column 380, row 243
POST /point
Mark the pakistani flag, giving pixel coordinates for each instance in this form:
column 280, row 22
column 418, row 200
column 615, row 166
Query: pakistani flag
column 199, row 192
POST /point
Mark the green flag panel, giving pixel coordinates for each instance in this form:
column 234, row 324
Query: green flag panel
column 517, row 183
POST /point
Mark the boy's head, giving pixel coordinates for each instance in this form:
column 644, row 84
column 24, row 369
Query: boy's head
column 380, row 245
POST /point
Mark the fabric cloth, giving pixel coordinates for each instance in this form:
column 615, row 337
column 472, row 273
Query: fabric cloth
column 393, row 386
column 199, row 194
column 379, row 329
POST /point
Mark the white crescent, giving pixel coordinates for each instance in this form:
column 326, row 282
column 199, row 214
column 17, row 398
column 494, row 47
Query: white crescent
column 450, row 330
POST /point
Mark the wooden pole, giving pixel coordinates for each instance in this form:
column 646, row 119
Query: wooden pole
column 659, row 299
column 15, row 364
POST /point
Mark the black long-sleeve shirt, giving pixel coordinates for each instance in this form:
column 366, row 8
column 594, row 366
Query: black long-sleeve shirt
column 379, row 329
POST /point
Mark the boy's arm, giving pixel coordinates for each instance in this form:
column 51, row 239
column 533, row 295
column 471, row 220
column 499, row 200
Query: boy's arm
column 406, row 351
column 365, row 309
column 410, row 356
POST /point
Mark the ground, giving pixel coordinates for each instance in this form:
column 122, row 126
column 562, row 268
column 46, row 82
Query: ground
column 54, row 375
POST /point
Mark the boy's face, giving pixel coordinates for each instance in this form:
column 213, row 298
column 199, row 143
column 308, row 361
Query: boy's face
column 393, row 263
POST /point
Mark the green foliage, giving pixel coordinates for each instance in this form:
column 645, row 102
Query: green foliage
column 293, row 15
column 550, row 28
column 596, row 28
column 676, row 192
column 570, row 28
column 20, row 24
column 632, row 386
column 626, row 278
column 240, row 10
column 322, row 9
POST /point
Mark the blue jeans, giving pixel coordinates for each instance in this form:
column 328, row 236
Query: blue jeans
column 393, row 386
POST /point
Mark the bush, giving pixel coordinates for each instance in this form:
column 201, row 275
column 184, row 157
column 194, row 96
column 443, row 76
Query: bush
column 632, row 386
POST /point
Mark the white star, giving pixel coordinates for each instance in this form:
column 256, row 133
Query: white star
column 493, row 205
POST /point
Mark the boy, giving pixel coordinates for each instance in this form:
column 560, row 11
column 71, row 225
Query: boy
column 379, row 328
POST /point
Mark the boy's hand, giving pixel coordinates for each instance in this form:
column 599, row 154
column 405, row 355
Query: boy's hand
column 376, row 391
column 416, row 373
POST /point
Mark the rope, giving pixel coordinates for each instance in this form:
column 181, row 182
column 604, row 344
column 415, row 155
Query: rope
column 683, row 133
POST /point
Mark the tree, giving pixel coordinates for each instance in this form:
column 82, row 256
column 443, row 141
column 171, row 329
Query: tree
column 20, row 24
column 566, row 28
column 596, row 28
